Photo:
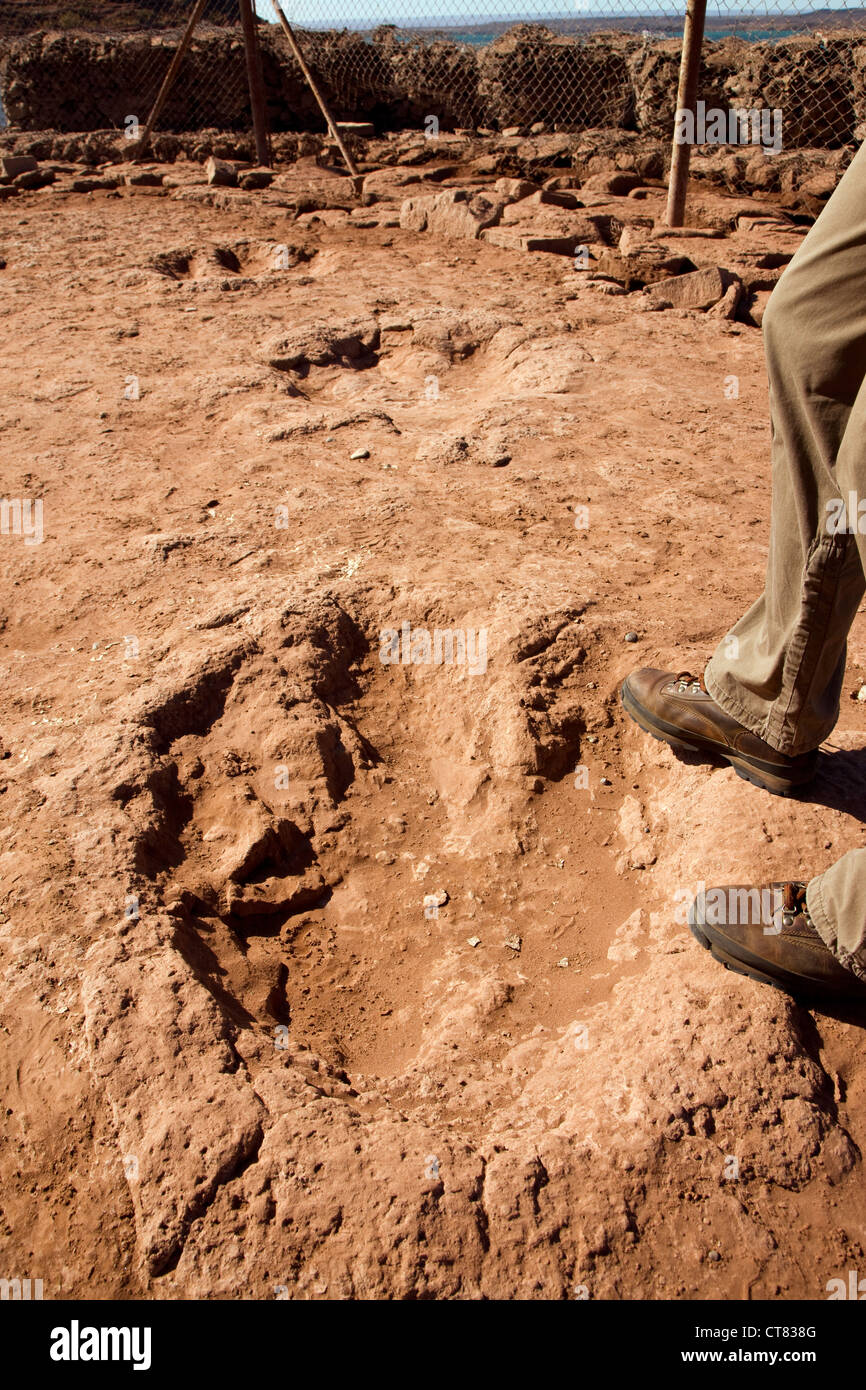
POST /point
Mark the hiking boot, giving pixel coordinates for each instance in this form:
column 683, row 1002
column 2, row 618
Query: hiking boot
column 767, row 933
column 679, row 710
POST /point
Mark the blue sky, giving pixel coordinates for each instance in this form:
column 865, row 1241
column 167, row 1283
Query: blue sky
column 327, row 14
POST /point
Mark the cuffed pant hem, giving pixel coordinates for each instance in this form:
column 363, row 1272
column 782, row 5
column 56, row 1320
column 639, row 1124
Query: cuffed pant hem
column 826, row 929
column 757, row 724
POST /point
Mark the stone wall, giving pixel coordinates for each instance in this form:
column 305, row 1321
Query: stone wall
column 78, row 82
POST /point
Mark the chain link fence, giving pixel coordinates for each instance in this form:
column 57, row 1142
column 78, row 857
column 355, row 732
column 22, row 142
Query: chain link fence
column 84, row 65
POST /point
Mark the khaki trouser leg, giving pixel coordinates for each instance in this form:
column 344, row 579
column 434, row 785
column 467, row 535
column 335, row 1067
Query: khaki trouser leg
column 782, row 676
column 779, row 672
column 837, row 898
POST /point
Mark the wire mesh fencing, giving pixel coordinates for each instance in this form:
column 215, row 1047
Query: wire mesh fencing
column 79, row 65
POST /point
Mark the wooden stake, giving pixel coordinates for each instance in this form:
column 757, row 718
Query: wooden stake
column 323, row 105
column 256, row 80
column 690, row 63
column 168, row 80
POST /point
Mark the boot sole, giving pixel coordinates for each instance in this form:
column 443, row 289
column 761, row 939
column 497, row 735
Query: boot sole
column 750, row 769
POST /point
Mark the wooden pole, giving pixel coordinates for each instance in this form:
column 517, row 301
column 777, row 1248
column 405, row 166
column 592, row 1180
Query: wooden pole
column 256, row 80
column 690, row 63
column 168, row 80
column 323, row 105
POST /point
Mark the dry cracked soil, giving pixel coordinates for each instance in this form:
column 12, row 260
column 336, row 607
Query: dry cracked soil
column 329, row 976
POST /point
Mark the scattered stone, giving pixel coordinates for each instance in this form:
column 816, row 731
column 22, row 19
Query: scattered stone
column 360, row 454
column 456, row 213
column 699, row 289
column 608, row 287
column 34, row 178
column 513, row 943
column 143, row 178
column 220, row 173
column 558, row 198
column 714, row 1256
column 93, row 185
column 513, row 190
column 753, row 311
column 15, row 164
column 631, row 637
column 606, row 782
column 473, row 940
column 861, row 693
column 714, row 233
column 257, row 178
column 511, row 239
column 728, row 304
column 619, row 183
column 647, row 263
column 386, row 183
column 437, row 899
column 364, row 130
column 563, row 964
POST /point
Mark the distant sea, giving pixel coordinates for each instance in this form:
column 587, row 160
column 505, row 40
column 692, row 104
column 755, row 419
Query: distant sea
column 477, row 39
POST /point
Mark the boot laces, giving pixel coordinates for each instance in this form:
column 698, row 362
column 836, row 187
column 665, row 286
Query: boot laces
column 686, row 683
column 794, row 904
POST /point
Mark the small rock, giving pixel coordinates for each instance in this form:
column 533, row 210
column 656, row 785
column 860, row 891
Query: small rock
column 514, row 943
column 697, row 289
column 606, row 782
column 592, row 738
column 473, row 940
column 861, row 693
column 257, row 178
column 220, row 173
column 14, row 164
column 32, row 179
column 438, row 899
column 631, row 637
column 618, row 183
column 714, row 1256
column 563, row 964
column 360, row 454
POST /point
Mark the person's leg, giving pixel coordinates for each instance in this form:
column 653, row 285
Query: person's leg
column 837, row 905
column 781, row 676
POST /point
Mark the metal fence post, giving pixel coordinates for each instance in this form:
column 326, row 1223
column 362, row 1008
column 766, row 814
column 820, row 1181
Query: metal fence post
column 687, row 91
column 257, row 83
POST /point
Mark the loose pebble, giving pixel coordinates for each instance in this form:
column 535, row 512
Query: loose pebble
column 360, row 454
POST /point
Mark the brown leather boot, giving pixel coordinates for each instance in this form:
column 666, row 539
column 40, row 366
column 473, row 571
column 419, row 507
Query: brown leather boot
column 767, row 933
column 678, row 710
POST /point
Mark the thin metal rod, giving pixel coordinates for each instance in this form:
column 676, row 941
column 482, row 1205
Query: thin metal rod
column 323, row 105
column 690, row 64
column 168, row 80
column 256, row 80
